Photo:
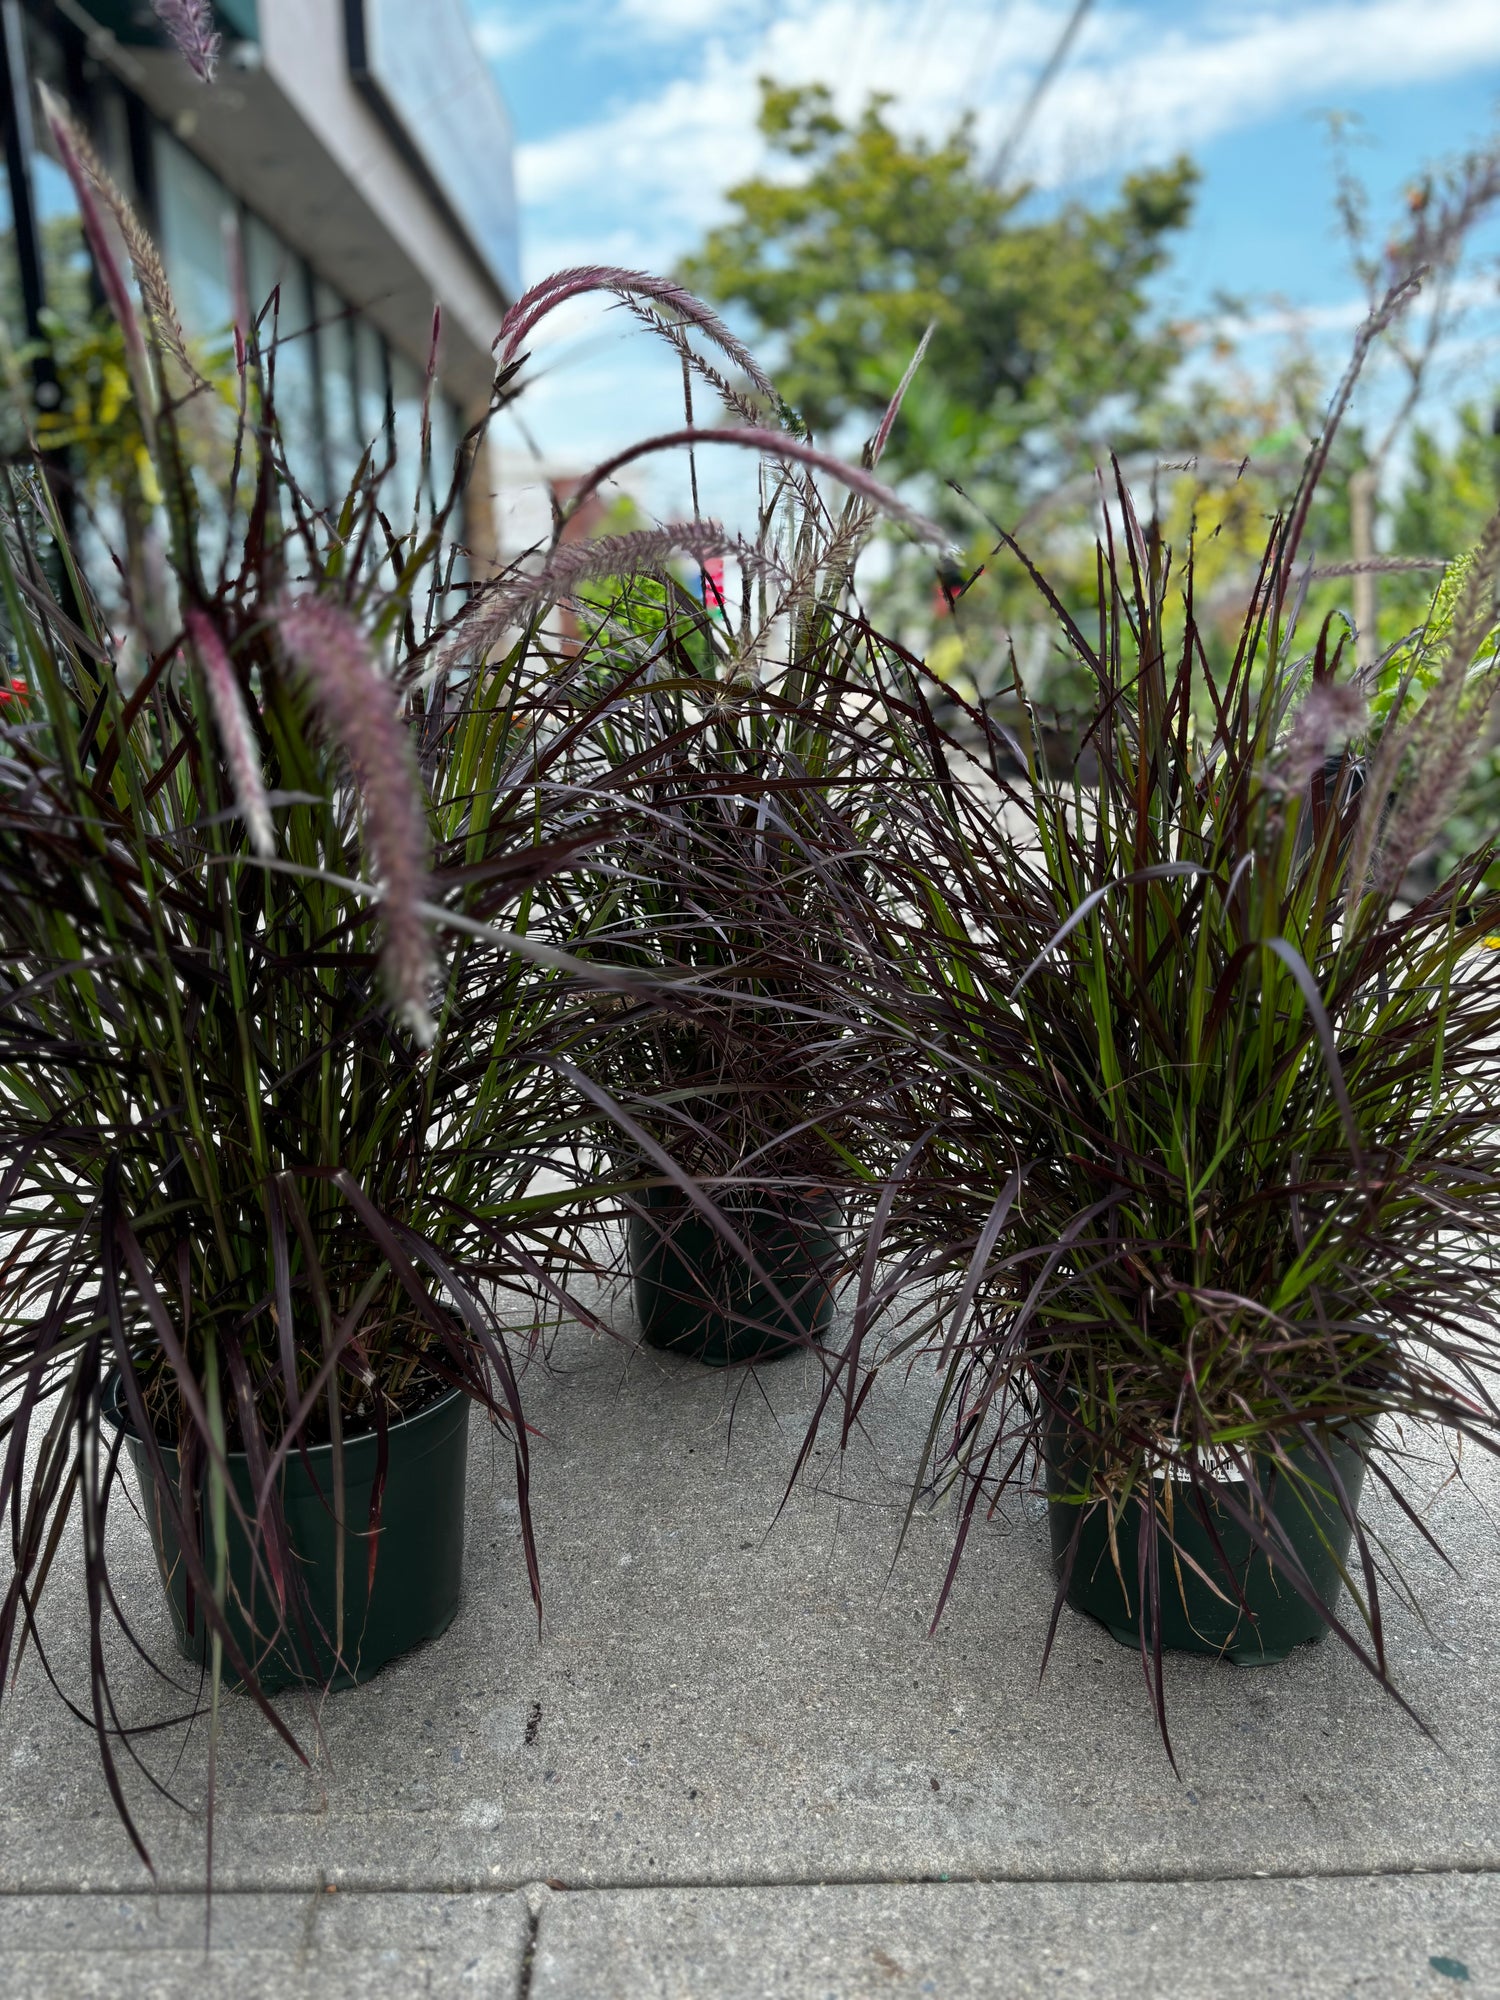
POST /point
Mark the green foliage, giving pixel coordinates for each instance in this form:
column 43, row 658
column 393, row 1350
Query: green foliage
column 1040, row 321
column 1448, row 492
column 96, row 420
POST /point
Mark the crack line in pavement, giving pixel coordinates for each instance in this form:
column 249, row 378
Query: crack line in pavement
column 952, row 1880
column 528, row 1957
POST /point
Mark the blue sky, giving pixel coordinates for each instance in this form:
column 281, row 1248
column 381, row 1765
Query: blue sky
column 634, row 116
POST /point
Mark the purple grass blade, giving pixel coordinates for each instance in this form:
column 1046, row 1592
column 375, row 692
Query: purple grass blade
column 875, row 451
column 236, row 737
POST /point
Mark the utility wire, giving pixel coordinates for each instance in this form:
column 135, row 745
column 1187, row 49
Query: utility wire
column 1005, row 152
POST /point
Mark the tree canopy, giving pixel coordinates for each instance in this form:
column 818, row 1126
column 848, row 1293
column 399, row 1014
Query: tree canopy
column 1045, row 329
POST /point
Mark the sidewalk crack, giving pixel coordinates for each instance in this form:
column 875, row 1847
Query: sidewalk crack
column 528, row 1957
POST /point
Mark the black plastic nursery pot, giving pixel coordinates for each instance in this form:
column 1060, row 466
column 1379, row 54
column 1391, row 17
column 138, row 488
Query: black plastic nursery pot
column 1260, row 1616
column 695, row 1295
column 418, row 1569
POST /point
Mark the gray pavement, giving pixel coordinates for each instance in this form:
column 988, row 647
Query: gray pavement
column 733, row 1762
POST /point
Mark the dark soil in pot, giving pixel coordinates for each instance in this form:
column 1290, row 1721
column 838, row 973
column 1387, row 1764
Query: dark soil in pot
column 1261, row 1615
column 419, row 1561
column 694, row 1295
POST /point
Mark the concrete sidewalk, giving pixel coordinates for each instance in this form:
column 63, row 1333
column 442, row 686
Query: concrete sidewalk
column 735, row 1764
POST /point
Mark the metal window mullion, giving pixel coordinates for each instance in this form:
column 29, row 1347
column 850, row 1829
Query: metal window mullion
column 320, row 401
column 20, row 144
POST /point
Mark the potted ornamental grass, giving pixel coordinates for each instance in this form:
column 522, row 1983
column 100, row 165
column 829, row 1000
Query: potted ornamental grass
column 729, row 745
column 1203, row 1178
column 269, row 1155
column 732, row 1092
column 282, row 1067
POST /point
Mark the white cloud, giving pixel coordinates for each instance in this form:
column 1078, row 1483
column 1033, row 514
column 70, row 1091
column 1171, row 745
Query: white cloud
column 500, row 36
column 1135, row 87
column 1477, row 292
column 1182, row 91
column 673, row 17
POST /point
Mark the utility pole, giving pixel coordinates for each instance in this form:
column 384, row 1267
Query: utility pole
column 1005, row 152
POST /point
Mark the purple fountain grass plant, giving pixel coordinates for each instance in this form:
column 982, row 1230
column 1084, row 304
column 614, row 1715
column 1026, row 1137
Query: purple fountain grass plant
column 237, row 738
column 359, row 708
column 190, row 24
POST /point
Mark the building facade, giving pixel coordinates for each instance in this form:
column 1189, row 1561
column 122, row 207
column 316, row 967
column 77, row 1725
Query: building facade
column 353, row 157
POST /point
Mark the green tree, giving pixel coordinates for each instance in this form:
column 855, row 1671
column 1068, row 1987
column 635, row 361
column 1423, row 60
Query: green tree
column 1450, row 491
column 1045, row 337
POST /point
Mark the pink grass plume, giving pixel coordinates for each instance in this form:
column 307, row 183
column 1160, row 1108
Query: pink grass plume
column 358, row 707
column 78, row 165
column 190, row 23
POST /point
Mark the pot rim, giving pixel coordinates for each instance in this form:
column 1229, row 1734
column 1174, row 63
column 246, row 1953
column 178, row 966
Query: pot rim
column 110, row 1412
column 739, row 1195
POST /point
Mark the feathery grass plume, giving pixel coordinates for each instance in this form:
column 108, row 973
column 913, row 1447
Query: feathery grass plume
column 1331, row 712
column 88, row 178
column 93, row 185
column 232, row 720
column 671, row 331
column 1436, row 747
column 643, row 551
column 156, row 292
column 191, row 26
column 582, row 279
column 358, row 707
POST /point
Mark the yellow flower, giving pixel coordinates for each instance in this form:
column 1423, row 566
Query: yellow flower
column 150, row 485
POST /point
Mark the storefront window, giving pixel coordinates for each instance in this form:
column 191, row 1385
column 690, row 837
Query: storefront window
column 338, row 389
column 336, row 379
column 196, row 222
column 281, row 305
column 370, row 376
column 12, row 304
column 67, row 278
column 66, row 275
column 406, row 417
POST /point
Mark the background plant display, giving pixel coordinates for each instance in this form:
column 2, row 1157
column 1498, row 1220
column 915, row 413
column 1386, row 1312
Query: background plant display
column 1050, row 350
